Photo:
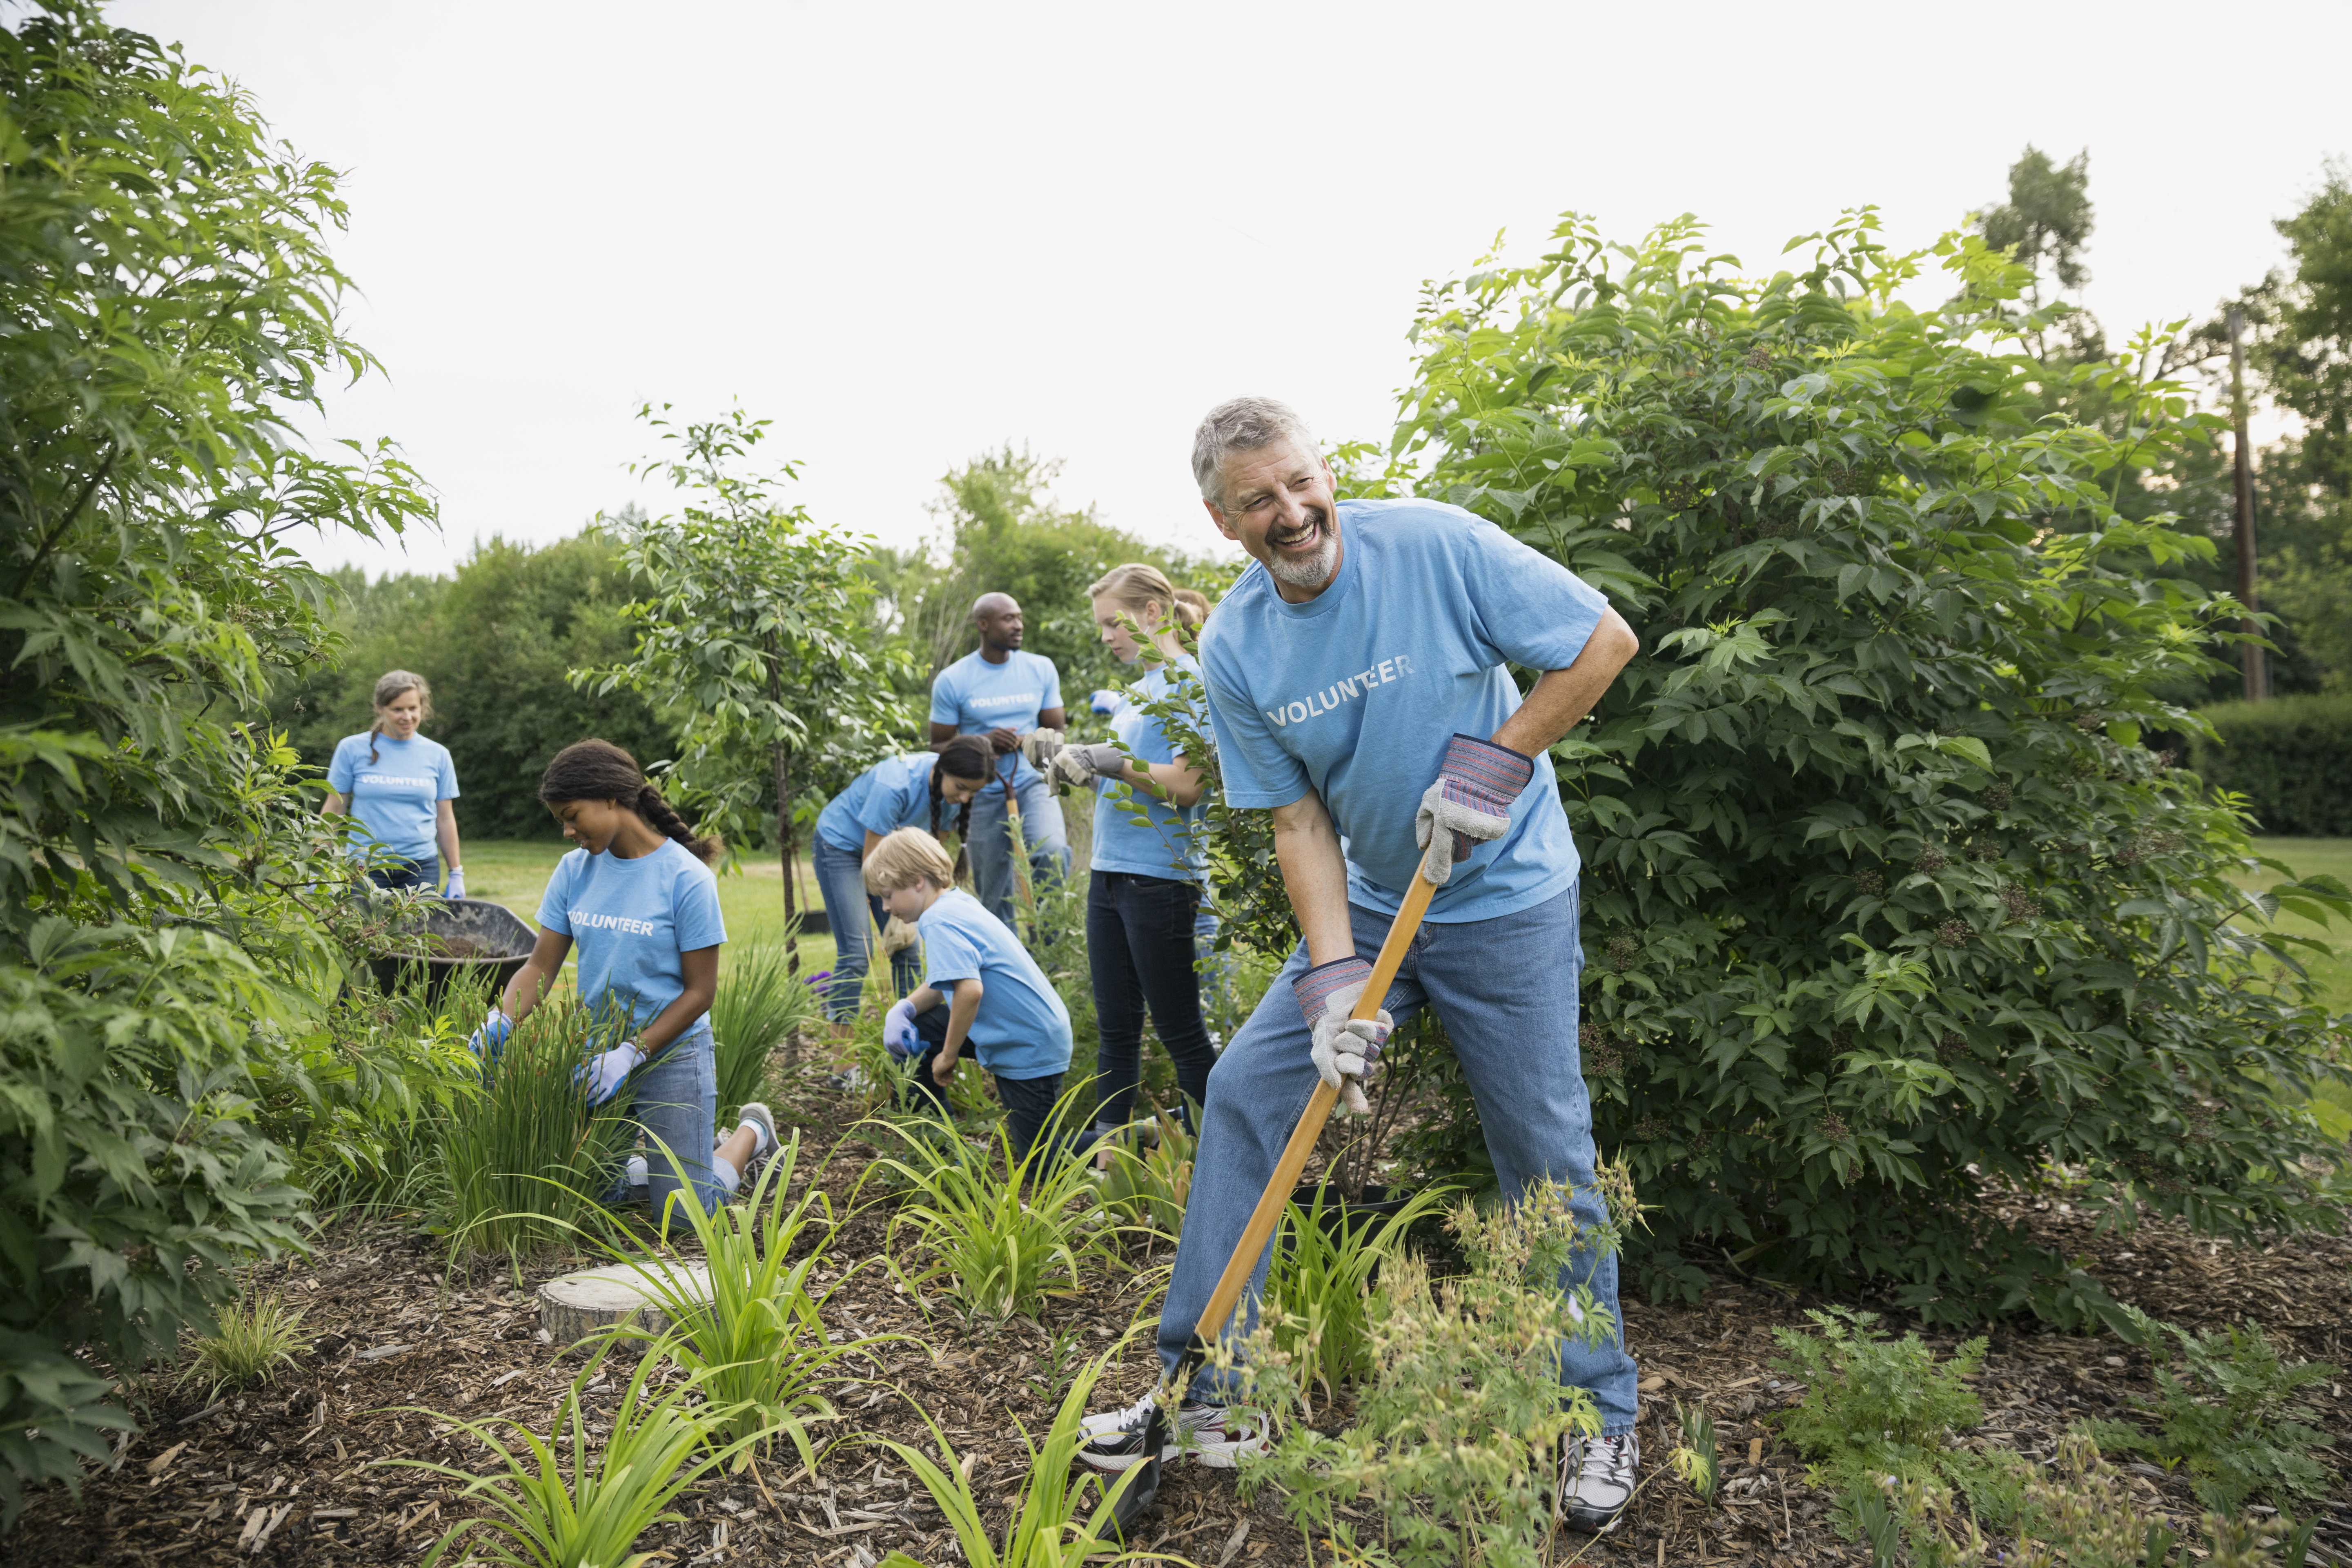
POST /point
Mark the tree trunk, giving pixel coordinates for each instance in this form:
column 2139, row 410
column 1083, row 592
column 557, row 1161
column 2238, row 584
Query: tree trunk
column 783, row 759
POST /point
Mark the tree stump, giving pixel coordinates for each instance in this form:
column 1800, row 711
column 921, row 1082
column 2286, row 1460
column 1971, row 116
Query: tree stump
column 572, row 1307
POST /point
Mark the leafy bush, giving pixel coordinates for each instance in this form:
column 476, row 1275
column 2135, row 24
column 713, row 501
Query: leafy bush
column 2291, row 757
column 1458, row 1429
column 759, row 1002
column 1884, row 897
column 1316, row 1298
column 172, row 306
column 1876, row 1407
column 256, row 1335
column 997, row 1230
column 527, row 1162
column 554, row 1507
column 757, row 1339
column 2226, row 1406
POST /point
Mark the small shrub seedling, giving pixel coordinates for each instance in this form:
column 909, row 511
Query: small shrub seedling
column 553, row 1509
column 999, row 1230
column 1876, row 1407
column 1458, row 1425
column 757, row 1341
column 2225, row 1406
column 253, row 1337
column 1703, row 1468
column 1064, row 1356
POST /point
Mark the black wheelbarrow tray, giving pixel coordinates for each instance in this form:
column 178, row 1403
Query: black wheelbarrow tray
column 444, row 938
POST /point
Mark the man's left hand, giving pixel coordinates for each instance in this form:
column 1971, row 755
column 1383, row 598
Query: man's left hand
column 1469, row 803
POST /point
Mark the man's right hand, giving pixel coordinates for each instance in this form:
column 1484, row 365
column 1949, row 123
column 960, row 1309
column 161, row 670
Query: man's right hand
column 1346, row 1051
column 1003, row 740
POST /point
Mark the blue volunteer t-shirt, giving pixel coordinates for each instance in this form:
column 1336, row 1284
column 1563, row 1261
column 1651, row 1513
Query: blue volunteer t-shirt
column 395, row 797
column 1163, row 846
column 1021, row 1029
column 976, row 697
column 894, row 793
column 1355, row 694
column 629, row 921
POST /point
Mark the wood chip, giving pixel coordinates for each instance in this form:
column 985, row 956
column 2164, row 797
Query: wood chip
column 1652, row 1384
column 155, row 1466
column 380, row 1351
column 1755, row 1450
column 1234, row 1544
column 317, row 1514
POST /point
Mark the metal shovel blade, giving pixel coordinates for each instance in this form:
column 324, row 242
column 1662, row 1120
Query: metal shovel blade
column 1141, row 1492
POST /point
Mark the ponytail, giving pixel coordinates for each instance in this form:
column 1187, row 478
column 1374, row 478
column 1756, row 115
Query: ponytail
column 599, row 770
column 1192, row 608
column 388, row 687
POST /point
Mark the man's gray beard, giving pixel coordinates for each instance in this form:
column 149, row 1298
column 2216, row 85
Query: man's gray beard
column 1312, row 573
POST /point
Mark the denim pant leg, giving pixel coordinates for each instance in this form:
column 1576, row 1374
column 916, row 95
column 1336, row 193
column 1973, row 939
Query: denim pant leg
column 840, row 882
column 990, row 848
column 1507, row 990
column 676, row 1101
column 1041, row 829
column 907, row 963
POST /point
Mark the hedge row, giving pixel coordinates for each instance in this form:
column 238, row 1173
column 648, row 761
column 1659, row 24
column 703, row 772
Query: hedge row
column 2291, row 756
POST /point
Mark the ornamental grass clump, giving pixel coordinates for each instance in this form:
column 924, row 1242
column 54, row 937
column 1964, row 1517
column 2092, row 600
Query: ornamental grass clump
column 1003, row 1234
column 527, row 1162
column 760, row 1004
column 1317, row 1287
column 1147, row 1187
column 252, row 1337
column 1458, row 1427
column 755, row 1334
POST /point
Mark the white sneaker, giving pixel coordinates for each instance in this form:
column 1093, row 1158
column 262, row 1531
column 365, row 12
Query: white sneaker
column 1596, row 1480
column 1215, row 1435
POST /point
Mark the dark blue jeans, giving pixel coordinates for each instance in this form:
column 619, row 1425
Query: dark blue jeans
column 404, row 875
column 841, row 879
column 1140, row 954
column 1028, row 1102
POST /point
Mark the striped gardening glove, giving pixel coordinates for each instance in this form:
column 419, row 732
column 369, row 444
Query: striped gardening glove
column 1346, row 1051
column 1470, row 802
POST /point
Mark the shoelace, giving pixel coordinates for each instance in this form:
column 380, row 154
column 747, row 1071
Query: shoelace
column 1601, row 1457
column 1132, row 1418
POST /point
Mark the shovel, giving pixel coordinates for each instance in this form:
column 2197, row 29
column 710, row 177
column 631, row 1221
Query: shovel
column 1144, row 1489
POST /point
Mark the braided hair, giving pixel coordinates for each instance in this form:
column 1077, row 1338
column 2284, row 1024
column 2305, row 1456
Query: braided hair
column 967, row 757
column 599, row 770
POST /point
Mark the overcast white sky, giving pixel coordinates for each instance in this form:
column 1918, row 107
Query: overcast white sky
column 911, row 233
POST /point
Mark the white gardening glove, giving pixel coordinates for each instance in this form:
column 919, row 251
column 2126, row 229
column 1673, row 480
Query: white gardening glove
column 455, row 888
column 1470, row 802
column 1346, row 1051
column 1081, row 765
column 488, row 1040
column 601, row 1077
column 1038, row 747
column 898, row 1030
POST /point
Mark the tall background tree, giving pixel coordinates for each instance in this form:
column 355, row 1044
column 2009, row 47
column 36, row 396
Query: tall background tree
column 170, row 306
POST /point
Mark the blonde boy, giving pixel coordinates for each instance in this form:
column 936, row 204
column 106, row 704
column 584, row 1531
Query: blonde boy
column 980, row 988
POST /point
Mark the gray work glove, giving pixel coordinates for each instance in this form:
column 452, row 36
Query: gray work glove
column 1470, row 802
column 1346, row 1051
column 1038, row 746
column 1081, row 765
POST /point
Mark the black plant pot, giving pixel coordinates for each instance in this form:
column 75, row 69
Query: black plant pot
column 1378, row 1202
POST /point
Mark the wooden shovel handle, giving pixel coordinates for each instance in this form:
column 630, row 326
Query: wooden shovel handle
column 1279, row 1186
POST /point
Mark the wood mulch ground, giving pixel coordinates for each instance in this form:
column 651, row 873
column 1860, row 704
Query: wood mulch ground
column 295, row 1473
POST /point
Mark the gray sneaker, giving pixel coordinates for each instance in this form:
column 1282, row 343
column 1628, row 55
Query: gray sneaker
column 758, row 1115
column 1596, row 1480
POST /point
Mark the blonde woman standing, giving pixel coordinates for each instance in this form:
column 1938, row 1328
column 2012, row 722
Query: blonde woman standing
column 399, row 790
column 1144, row 896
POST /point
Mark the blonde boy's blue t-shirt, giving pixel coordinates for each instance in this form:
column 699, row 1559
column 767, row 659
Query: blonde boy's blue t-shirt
column 1356, row 693
column 1021, row 1029
column 631, row 922
column 395, row 795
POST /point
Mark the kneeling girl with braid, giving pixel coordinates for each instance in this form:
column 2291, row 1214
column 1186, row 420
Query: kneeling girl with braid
column 638, row 900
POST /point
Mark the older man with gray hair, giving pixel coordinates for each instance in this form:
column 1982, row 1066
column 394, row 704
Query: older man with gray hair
column 1358, row 688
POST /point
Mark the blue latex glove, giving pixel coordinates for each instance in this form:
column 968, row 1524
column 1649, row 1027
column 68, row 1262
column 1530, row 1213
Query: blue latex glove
column 491, row 1038
column 898, row 1030
column 455, row 888
column 601, row 1078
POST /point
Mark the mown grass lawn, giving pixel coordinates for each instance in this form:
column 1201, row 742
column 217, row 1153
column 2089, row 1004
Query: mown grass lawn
column 2315, row 857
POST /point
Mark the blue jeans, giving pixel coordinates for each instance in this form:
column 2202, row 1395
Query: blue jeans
column 847, row 906
column 675, row 1101
column 401, row 876
column 1506, row 989
column 1139, row 940
column 991, row 843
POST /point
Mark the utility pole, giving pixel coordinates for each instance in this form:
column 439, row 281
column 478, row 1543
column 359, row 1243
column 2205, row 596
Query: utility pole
column 2258, row 675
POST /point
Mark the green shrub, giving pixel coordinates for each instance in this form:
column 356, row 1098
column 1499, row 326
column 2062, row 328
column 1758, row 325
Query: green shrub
column 2291, row 757
column 527, row 1162
column 1883, row 899
column 2226, row 1406
column 1457, row 1429
column 759, row 1002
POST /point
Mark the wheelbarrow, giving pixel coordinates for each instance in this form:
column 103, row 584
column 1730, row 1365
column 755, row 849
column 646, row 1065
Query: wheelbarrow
column 446, row 937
